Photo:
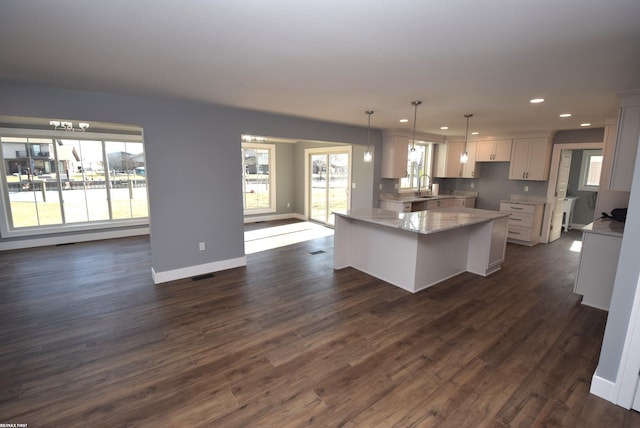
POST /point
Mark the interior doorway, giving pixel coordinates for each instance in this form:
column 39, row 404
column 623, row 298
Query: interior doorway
column 327, row 182
column 554, row 209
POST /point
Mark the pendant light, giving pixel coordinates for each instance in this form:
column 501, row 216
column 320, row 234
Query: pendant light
column 414, row 156
column 368, row 155
column 464, row 157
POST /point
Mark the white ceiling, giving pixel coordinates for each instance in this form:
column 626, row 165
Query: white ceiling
column 332, row 60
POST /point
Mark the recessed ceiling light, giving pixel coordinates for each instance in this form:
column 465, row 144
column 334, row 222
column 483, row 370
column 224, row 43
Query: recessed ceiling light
column 444, row 128
column 585, row 124
column 565, row 115
column 475, row 133
column 536, row 100
column 404, row 120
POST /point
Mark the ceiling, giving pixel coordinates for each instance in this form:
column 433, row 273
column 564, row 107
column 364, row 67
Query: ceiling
column 332, row 60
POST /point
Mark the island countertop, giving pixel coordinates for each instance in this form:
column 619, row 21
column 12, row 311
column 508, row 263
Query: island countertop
column 424, row 222
column 604, row 226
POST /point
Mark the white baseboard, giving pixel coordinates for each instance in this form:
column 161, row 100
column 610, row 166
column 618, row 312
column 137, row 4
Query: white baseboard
column 603, row 388
column 272, row 217
column 72, row 238
column 187, row 272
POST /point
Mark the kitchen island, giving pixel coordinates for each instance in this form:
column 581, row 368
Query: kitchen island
column 416, row 250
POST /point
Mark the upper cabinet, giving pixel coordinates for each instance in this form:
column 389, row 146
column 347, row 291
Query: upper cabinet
column 530, row 158
column 494, row 151
column 395, row 149
column 447, row 160
column 627, row 136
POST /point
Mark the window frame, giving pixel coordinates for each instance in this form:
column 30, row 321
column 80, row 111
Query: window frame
column 585, row 169
column 271, row 148
column 6, row 219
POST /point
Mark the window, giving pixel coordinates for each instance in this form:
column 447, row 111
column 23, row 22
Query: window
column 55, row 181
column 418, row 169
column 590, row 171
column 258, row 177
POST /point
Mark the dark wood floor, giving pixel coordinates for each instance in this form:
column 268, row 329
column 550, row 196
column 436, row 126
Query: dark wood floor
column 88, row 340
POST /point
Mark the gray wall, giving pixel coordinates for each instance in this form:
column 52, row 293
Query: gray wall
column 193, row 161
column 584, row 209
column 494, row 185
column 624, row 289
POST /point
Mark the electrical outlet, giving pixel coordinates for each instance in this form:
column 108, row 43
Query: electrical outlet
column 473, row 185
column 526, row 188
column 353, row 185
column 201, row 246
column 288, row 204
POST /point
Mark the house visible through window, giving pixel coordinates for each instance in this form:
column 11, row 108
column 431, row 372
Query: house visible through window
column 55, row 180
column 590, row 171
column 258, row 177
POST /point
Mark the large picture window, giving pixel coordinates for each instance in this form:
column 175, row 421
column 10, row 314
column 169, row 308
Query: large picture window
column 258, row 177
column 420, row 168
column 64, row 180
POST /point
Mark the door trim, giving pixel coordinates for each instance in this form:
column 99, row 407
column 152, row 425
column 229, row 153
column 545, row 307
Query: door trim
column 553, row 181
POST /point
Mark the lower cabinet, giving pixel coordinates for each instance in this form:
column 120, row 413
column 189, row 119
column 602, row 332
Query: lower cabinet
column 441, row 203
column 487, row 243
column 468, row 201
column 398, row 206
column 525, row 222
column 597, row 269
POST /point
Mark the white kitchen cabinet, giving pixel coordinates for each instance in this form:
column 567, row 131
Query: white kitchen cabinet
column 483, row 260
column 448, row 164
column 626, row 146
column 441, row 203
column 525, row 222
column 469, row 202
column 598, row 263
column 493, row 151
column 530, row 159
column 498, row 247
column 395, row 150
column 398, row 206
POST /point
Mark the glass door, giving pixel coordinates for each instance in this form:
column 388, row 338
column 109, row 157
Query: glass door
column 329, row 177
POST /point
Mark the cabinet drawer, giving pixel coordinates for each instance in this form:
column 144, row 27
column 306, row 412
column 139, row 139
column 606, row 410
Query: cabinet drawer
column 517, row 208
column 519, row 233
column 521, row 220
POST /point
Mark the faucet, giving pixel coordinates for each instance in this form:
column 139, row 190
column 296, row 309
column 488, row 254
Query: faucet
column 420, row 181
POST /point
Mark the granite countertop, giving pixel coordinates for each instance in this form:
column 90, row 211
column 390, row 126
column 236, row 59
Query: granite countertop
column 410, row 197
column 424, row 222
column 605, row 226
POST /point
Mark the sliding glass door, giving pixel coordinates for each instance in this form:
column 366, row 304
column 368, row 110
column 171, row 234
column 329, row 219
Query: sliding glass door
column 328, row 183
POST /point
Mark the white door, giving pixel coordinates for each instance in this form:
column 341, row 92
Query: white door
column 560, row 195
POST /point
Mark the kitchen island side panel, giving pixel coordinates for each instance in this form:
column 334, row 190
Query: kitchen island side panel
column 388, row 254
column 441, row 256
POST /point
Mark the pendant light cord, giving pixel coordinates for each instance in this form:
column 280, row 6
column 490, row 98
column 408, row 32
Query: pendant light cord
column 415, row 117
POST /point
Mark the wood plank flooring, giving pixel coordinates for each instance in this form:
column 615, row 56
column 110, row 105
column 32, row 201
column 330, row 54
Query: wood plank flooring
column 88, row 340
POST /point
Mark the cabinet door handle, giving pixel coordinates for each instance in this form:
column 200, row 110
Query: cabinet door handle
column 516, row 208
column 515, row 219
column 523, row 175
